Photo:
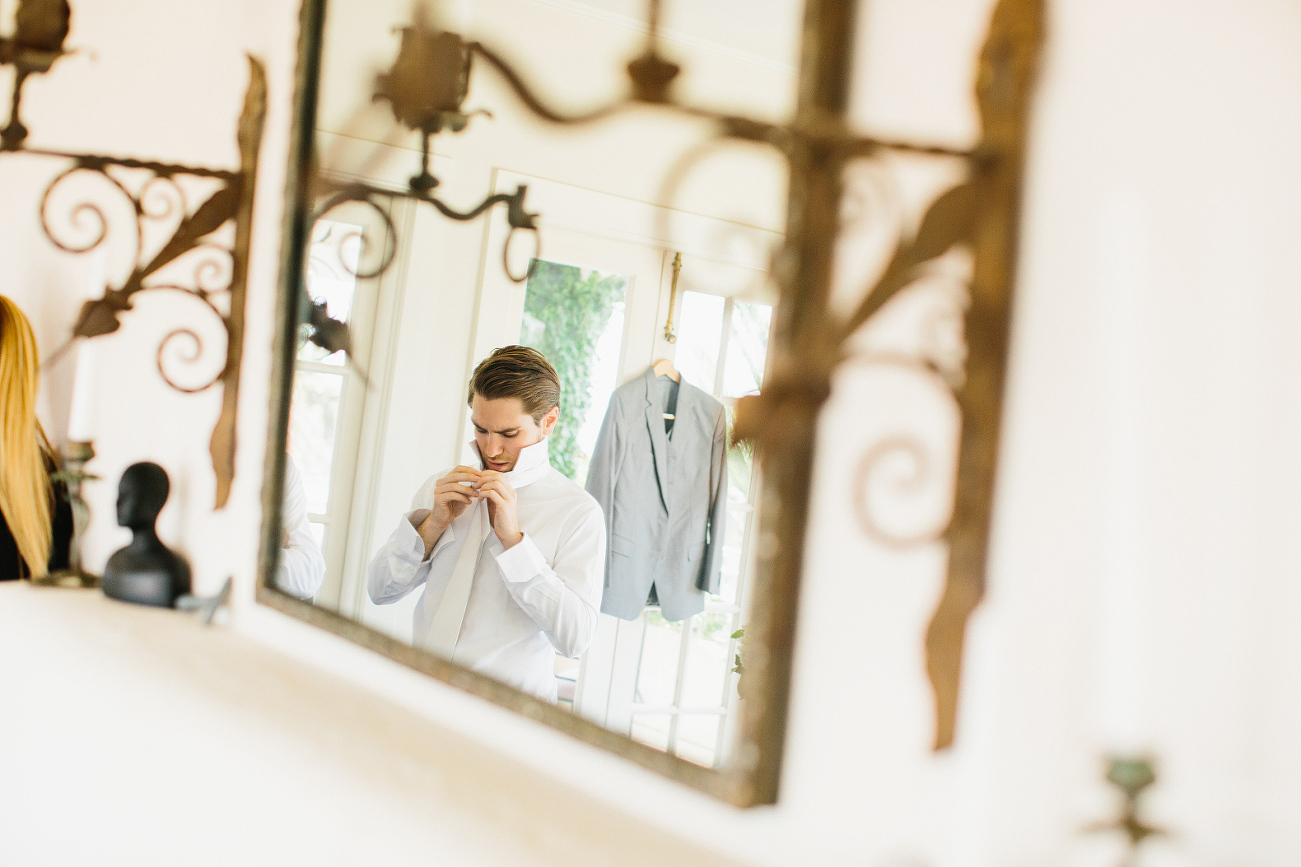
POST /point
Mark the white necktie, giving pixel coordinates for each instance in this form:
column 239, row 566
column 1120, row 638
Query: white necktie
column 446, row 625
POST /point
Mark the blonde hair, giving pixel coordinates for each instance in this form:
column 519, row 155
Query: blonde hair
column 26, row 495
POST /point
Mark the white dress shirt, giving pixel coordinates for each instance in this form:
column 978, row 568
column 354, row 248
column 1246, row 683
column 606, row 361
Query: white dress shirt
column 302, row 566
column 526, row 603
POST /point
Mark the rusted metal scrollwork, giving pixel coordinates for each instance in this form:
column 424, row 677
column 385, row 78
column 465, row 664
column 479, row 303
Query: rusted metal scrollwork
column 173, row 346
column 95, row 197
column 356, row 192
column 979, row 214
column 901, row 467
column 1004, row 85
column 362, row 195
column 214, row 268
column 920, row 473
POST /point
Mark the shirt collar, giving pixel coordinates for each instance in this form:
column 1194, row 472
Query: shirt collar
column 532, row 464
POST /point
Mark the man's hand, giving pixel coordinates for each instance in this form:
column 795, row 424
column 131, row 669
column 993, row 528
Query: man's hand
column 453, row 493
column 493, row 487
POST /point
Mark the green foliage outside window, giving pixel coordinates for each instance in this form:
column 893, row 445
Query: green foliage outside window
column 566, row 310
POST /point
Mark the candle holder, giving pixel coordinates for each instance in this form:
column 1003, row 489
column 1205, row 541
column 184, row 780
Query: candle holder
column 1133, row 775
column 75, row 458
column 89, row 192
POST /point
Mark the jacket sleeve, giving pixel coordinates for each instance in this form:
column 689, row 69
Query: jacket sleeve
column 401, row 566
column 302, row 565
column 563, row 597
column 602, row 472
column 711, row 569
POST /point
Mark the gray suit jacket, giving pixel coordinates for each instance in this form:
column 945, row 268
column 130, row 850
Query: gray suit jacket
column 664, row 498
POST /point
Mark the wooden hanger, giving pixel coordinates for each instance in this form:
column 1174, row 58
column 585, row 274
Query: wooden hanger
column 664, row 367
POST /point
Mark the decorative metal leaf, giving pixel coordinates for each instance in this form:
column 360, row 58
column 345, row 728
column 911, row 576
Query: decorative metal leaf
column 207, row 219
column 948, row 222
column 100, row 316
column 235, row 201
column 327, row 333
column 251, row 118
column 1003, row 90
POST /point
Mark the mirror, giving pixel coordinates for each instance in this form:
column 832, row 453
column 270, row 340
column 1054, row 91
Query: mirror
column 595, row 306
column 547, row 431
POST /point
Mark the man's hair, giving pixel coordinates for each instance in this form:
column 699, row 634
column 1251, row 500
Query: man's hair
column 519, row 372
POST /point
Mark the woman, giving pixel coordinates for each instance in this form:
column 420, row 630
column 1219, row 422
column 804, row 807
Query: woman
column 35, row 518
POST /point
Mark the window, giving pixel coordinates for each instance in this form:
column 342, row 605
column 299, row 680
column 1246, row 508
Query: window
column 319, row 377
column 329, row 395
column 575, row 317
column 685, row 690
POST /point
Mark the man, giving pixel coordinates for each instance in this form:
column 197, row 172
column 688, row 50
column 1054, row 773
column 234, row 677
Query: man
column 512, row 553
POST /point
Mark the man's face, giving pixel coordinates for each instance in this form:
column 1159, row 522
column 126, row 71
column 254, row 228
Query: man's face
column 502, row 429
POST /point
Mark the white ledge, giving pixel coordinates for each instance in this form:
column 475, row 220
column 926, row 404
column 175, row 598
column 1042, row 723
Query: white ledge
column 137, row 736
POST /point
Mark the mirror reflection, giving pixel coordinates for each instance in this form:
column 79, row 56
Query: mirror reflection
column 591, row 547
column 534, row 479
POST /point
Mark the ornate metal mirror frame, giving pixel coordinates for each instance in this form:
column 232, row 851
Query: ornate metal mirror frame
column 980, row 214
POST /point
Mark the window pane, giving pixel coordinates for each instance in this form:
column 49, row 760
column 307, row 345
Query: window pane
column 657, row 673
column 747, row 347
column 697, row 737
column 313, row 419
column 700, row 333
column 738, row 465
column 652, row 729
column 574, row 316
column 705, row 679
column 730, row 574
column 738, row 516
column 333, row 259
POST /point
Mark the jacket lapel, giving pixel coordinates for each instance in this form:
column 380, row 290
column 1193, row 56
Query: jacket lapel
column 659, row 442
column 689, row 401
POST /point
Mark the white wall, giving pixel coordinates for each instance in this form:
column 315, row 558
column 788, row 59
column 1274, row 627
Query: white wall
column 1154, row 376
column 1167, row 127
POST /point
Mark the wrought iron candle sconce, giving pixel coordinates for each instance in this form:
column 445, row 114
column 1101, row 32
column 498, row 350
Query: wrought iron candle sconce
column 75, row 458
column 426, row 88
column 220, row 271
column 1132, row 775
column 40, row 27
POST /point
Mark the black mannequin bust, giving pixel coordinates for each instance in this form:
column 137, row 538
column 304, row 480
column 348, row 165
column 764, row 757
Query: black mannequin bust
column 146, row 571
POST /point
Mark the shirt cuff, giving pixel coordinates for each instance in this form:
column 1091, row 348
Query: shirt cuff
column 521, row 562
column 409, row 541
